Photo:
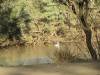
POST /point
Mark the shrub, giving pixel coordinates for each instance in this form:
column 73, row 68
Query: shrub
column 63, row 56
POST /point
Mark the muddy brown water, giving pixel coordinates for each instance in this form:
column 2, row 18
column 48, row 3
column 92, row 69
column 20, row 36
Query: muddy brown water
column 40, row 56
column 26, row 55
column 15, row 56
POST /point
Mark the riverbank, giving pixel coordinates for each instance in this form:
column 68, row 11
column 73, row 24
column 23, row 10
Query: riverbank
column 54, row 69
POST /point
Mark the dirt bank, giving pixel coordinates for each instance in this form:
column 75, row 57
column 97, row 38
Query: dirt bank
column 64, row 69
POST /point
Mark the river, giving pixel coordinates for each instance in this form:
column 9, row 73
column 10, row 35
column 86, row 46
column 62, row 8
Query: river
column 26, row 55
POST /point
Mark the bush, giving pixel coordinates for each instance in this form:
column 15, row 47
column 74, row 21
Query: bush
column 64, row 55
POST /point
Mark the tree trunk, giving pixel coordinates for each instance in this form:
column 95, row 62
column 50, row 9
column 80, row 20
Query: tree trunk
column 92, row 51
column 83, row 13
column 83, row 7
column 88, row 34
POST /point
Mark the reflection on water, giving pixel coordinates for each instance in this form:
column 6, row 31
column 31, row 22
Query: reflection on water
column 25, row 56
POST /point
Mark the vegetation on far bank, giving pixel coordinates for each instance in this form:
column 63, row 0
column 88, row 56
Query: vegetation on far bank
column 75, row 23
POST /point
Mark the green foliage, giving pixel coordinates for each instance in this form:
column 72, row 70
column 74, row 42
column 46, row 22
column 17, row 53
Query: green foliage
column 97, row 2
column 17, row 14
column 19, row 19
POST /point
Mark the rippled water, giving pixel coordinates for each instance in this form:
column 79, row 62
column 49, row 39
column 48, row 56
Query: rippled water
column 26, row 55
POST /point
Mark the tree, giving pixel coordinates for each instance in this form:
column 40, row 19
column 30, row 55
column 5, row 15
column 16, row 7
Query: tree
column 81, row 9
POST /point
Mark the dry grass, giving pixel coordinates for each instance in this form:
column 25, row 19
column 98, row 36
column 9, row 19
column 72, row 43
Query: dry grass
column 64, row 56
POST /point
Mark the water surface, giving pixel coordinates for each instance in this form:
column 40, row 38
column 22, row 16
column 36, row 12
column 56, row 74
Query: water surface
column 26, row 55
